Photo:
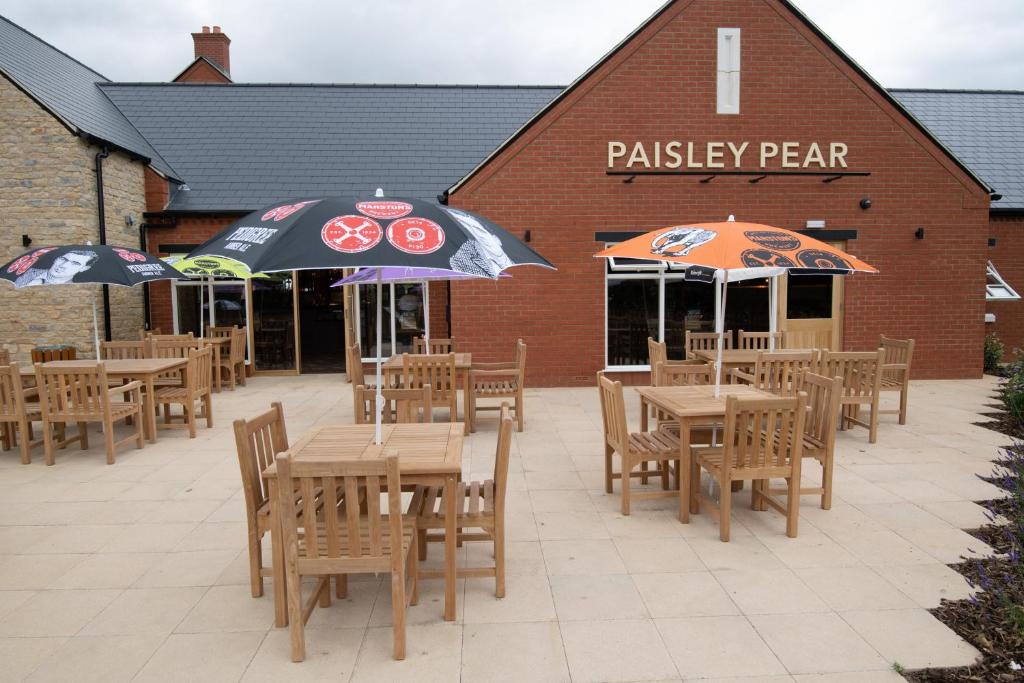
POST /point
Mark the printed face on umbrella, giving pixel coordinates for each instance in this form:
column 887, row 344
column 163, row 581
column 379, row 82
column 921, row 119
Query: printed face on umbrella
column 63, row 269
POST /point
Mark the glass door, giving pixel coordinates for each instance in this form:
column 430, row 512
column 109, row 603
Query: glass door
column 273, row 321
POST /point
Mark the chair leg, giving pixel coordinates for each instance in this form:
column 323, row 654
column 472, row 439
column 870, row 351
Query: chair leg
column 414, row 572
column 167, row 413
column 108, row 438
column 6, row 436
column 608, row 451
column 643, row 472
column 903, row 404
column 627, row 469
column 241, row 373
column 208, row 406
column 140, row 437
column 295, row 621
column 341, row 586
column 83, row 431
column 792, row 506
column 398, row 613
column 48, row 442
column 25, row 443
column 471, row 418
column 255, row 565
column 826, row 482
column 519, row 411
column 421, row 543
column 499, row 558
column 694, row 486
column 724, row 509
column 231, row 377
column 873, row 429
column 190, row 417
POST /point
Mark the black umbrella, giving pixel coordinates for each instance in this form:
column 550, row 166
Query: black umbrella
column 349, row 233
column 87, row 263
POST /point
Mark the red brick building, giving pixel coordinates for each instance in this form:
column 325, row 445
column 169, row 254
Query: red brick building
column 710, row 108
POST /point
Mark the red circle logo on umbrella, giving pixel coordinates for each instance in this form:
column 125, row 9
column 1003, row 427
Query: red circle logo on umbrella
column 129, row 256
column 282, row 212
column 416, row 235
column 385, row 210
column 21, row 266
column 351, row 234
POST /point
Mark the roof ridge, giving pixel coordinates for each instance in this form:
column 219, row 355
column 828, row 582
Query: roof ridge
column 481, row 86
column 960, row 91
column 54, row 48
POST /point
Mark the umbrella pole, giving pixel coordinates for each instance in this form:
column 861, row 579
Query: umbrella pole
column 773, row 311
column 95, row 330
column 722, row 292
column 378, row 403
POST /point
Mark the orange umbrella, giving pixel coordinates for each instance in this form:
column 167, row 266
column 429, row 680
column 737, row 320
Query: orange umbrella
column 733, row 251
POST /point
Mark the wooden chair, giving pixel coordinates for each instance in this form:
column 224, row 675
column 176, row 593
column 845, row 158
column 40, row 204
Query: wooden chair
column 896, row 371
column 19, row 408
column 234, row 362
column 693, row 373
column 144, row 333
column 763, row 440
column 657, row 352
column 215, row 332
column 481, row 505
column 659, row 447
column 776, row 371
column 436, row 372
column 823, row 396
column 498, row 380
column 122, row 350
column 171, row 346
column 83, row 395
column 257, row 442
column 760, row 341
column 5, row 357
column 354, row 368
column 862, row 383
column 156, row 336
column 198, row 386
column 705, row 341
column 433, row 346
column 400, row 405
column 321, row 540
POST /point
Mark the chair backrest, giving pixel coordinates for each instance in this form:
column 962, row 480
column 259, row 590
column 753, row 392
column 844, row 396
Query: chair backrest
column 706, row 341
column 220, row 330
column 5, row 357
column 199, row 371
column 759, row 341
column 169, row 337
column 501, row 456
column 823, row 396
column 237, row 353
column 122, row 350
column 163, row 347
column 860, row 370
column 776, row 371
column 657, row 352
column 763, row 433
column 145, row 334
column 613, row 413
column 12, row 396
column 679, row 375
column 73, row 394
column 354, row 365
column 433, row 346
column 257, row 442
column 340, row 539
column 400, row 405
column 898, row 354
column 520, row 360
column 429, row 370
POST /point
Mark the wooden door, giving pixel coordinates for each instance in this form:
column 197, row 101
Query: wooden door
column 811, row 310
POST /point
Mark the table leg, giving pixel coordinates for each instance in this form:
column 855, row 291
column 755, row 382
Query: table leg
column 465, row 401
column 216, row 368
column 450, row 538
column 685, row 504
column 150, row 407
column 643, row 415
column 277, row 561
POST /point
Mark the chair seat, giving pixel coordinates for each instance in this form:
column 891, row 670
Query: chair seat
column 495, row 388
column 171, row 394
column 891, row 383
column 474, row 502
column 32, row 412
column 657, row 443
column 343, row 538
column 712, row 459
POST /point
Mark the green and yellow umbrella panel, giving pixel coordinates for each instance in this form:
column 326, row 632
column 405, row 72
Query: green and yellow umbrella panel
column 211, row 266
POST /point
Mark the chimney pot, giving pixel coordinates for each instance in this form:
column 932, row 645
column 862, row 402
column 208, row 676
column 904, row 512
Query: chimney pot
column 206, row 29
column 216, row 29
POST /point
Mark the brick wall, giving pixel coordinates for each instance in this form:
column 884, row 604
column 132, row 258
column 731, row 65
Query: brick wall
column 48, row 192
column 1008, row 258
column 661, row 86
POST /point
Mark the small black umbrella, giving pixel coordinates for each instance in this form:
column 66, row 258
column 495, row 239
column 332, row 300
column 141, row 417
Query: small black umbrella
column 87, row 263
column 333, row 232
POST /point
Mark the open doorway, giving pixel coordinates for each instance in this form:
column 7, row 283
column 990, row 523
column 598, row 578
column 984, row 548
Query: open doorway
column 321, row 321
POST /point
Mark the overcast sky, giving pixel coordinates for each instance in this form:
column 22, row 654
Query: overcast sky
column 902, row 43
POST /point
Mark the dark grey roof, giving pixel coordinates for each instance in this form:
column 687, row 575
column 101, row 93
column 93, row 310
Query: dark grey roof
column 242, row 146
column 984, row 128
column 68, row 89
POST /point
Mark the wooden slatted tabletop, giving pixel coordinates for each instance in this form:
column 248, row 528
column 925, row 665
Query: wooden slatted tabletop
column 697, row 401
column 731, row 357
column 463, row 361
column 463, row 364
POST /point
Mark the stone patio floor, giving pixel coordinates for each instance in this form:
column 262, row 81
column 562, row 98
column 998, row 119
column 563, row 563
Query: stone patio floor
column 138, row 570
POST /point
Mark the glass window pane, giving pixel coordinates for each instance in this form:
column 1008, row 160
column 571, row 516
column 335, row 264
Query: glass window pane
column 632, row 317
column 368, row 321
column 273, row 324
column 746, row 306
column 410, row 319
column 229, row 304
column 688, row 306
column 809, row 296
column 188, row 310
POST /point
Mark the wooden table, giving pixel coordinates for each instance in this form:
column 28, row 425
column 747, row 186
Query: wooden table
column 145, row 370
column 737, row 358
column 691, row 406
column 463, row 363
column 218, row 344
column 429, row 454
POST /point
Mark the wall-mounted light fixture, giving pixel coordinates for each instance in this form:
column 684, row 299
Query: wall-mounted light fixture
column 865, row 203
column 26, row 241
column 129, row 219
column 526, row 236
column 919, row 233
column 991, row 241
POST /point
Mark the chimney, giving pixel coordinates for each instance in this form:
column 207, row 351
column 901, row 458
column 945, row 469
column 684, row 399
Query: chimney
column 214, row 45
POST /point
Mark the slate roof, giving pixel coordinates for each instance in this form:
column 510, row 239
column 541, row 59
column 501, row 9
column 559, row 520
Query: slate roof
column 242, row 146
column 984, row 128
column 68, row 89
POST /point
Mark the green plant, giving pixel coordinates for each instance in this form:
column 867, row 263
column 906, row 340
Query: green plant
column 993, row 353
column 898, row 668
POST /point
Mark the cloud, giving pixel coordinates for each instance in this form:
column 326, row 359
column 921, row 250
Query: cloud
column 909, row 43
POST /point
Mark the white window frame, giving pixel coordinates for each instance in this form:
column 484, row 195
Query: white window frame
column 637, row 272
column 992, row 292
column 727, row 84
column 359, row 318
column 211, row 284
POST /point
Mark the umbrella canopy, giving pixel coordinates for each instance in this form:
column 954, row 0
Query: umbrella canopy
column 84, row 263
column 211, row 266
column 393, row 274
column 733, row 251
column 87, row 263
column 305, row 234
